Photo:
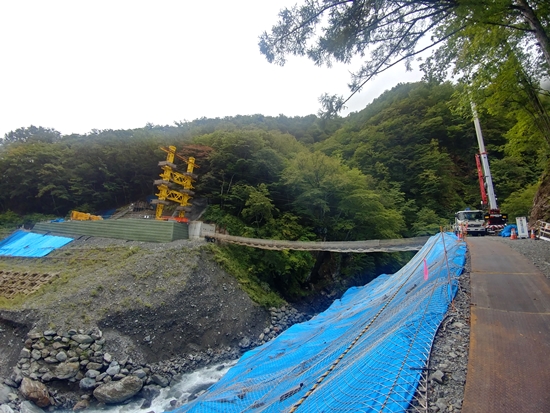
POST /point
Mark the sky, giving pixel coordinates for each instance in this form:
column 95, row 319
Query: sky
column 81, row 65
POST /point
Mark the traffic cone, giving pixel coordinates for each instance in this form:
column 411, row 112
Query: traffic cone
column 533, row 234
column 513, row 234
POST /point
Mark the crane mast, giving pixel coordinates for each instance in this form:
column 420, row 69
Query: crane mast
column 495, row 221
column 485, row 163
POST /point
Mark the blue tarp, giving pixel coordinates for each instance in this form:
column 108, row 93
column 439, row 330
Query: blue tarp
column 28, row 244
column 507, row 230
column 365, row 353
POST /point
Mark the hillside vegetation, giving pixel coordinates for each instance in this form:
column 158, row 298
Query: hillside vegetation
column 400, row 167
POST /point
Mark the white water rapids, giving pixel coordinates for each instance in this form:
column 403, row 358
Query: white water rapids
column 183, row 390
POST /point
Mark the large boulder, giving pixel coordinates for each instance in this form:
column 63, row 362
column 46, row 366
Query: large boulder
column 118, row 391
column 35, row 391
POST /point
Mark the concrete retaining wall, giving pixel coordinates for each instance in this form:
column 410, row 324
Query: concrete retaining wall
column 198, row 229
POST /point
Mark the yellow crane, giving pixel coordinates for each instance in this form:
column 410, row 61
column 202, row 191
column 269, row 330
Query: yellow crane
column 174, row 186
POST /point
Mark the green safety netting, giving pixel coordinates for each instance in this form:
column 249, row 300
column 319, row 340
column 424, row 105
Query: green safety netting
column 366, row 353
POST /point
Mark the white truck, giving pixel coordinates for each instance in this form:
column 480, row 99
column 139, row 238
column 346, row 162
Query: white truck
column 471, row 222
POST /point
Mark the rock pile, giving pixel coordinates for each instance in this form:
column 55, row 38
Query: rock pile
column 77, row 358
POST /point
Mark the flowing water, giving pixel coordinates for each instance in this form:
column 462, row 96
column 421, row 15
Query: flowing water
column 184, row 389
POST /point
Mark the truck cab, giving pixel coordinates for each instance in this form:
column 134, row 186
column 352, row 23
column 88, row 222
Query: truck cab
column 471, row 222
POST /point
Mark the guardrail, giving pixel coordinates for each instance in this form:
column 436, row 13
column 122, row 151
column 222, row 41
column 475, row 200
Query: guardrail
column 544, row 230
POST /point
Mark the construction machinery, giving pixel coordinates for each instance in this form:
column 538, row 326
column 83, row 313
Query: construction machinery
column 493, row 219
column 174, row 187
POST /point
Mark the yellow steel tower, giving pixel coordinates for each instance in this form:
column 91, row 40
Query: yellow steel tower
column 174, row 186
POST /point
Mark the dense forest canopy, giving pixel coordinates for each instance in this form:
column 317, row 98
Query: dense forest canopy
column 409, row 152
column 400, row 167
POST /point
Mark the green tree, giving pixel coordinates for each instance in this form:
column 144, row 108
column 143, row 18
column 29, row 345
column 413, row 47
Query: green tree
column 520, row 203
column 386, row 33
column 31, row 134
column 259, row 207
column 340, row 202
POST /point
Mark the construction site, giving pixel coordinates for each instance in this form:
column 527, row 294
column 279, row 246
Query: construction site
column 370, row 350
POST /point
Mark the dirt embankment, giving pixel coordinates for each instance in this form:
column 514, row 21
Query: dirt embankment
column 152, row 301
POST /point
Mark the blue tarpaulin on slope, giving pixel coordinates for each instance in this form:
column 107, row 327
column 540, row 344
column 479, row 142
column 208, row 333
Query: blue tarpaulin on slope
column 28, row 244
column 366, row 353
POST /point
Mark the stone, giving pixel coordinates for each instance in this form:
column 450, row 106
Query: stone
column 10, row 383
column 140, row 373
column 82, row 338
column 34, row 335
column 112, row 370
column 244, row 343
column 16, row 376
column 107, row 357
column 87, row 384
column 118, row 391
column 38, row 345
column 25, row 353
column 92, row 374
column 51, row 360
column 81, row 405
column 93, row 366
column 5, row 391
column 50, row 333
column 66, row 370
column 36, row 354
column 438, row 376
column 59, row 346
column 96, row 335
column 149, row 392
column 442, row 404
column 101, row 377
column 28, row 407
column 35, row 391
column 47, row 376
column 4, row 408
column 160, row 380
column 61, row 356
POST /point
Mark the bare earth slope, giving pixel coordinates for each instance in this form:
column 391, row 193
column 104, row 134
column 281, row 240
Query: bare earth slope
column 152, row 301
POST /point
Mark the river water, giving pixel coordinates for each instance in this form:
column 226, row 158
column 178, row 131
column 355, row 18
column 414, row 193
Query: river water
column 183, row 390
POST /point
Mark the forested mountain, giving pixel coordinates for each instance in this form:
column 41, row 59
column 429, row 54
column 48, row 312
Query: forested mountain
column 400, row 167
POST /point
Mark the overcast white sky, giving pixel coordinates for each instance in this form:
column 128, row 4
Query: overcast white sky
column 80, row 65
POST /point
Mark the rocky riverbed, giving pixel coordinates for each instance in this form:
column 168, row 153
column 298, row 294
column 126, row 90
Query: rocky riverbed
column 69, row 369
